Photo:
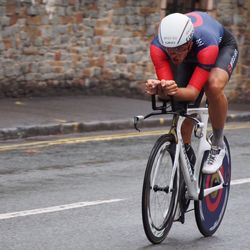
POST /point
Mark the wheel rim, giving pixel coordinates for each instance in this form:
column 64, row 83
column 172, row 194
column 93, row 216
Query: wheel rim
column 160, row 196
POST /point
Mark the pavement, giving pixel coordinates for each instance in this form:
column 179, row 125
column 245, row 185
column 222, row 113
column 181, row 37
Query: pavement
column 43, row 116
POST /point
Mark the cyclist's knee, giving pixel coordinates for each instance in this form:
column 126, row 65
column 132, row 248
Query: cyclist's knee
column 215, row 85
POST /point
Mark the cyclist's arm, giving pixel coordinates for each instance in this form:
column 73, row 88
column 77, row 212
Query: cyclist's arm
column 188, row 93
column 162, row 66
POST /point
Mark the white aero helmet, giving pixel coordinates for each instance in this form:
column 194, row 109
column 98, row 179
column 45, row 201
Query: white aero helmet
column 175, row 30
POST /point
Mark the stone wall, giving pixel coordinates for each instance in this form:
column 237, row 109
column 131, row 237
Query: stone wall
column 48, row 46
column 94, row 46
column 235, row 15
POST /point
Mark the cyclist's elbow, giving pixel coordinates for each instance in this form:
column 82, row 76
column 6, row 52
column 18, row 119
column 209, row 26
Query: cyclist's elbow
column 193, row 98
column 193, row 93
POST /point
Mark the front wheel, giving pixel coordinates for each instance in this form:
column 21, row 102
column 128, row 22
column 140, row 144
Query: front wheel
column 160, row 190
column 210, row 210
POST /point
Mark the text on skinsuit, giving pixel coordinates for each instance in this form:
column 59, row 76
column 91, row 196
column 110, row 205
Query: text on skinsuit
column 232, row 61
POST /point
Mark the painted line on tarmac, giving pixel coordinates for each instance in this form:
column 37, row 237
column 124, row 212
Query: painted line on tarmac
column 56, row 208
column 83, row 139
column 240, row 181
column 94, row 138
column 59, row 208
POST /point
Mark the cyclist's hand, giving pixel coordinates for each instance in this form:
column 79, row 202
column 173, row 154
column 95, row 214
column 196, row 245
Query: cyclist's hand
column 152, row 86
column 168, row 87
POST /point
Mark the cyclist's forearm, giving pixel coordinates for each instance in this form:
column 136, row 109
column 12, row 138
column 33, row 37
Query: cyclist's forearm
column 186, row 94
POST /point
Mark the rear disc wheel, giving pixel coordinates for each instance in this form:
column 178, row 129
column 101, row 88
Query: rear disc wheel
column 210, row 210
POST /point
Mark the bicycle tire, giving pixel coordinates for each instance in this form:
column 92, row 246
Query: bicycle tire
column 162, row 152
column 210, row 210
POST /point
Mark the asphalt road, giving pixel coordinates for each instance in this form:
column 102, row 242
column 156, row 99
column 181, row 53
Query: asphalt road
column 84, row 192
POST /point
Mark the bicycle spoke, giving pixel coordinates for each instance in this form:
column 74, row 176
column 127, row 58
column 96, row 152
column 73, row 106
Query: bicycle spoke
column 160, row 194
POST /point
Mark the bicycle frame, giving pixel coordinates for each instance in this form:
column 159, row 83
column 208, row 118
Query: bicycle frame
column 194, row 189
column 176, row 183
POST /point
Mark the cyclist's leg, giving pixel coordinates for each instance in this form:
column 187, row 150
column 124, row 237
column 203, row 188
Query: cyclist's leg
column 217, row 100
column 218, row 79
column 218, row 104
column 182, row 74
column 188, row 124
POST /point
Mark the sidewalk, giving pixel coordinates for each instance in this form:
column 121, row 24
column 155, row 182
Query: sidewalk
column 27, row 117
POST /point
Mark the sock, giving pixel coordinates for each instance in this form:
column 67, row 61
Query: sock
column 217, row 139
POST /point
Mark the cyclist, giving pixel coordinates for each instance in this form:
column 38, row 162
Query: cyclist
column 192, row 54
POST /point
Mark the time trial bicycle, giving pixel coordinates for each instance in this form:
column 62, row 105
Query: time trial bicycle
column 171, row 180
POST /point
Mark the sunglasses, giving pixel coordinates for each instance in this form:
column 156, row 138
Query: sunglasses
column 177, row 50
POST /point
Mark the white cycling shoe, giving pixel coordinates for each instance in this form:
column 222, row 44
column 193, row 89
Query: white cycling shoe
column 214, row 160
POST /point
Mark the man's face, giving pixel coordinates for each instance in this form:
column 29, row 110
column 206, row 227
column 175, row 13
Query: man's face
column 178, row 54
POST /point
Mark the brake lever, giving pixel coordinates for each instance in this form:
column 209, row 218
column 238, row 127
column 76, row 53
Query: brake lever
column 138, row 119
column 162, row 110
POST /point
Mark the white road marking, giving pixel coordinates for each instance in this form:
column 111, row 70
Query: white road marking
column 240, row 181
column 55, row 208
column 80, row 204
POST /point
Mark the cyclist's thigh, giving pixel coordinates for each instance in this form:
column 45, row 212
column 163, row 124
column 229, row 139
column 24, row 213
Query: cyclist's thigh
column 228, row 54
